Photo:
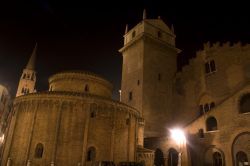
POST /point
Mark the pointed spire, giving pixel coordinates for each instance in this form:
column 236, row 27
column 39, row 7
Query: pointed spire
column 31, row 63
column 126, row 29
column 144, row 14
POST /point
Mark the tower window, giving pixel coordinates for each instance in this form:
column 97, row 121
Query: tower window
column 24, row 76
column 39, row 151
column 210, row 67
column 138, row 82
column 212, row 105
column 32, row 77
column 130, row 96
column 211, row 124
column 133, row 34
column 23, row 91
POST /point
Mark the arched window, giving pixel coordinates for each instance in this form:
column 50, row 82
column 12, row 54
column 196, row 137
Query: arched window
column 241, row 158
column 206, row 107
column 211, row 124
column 23, row 91
column 212, row 105
column 91, row 154
column 159, row 157
column 39, row 150
column 245, row 104
column 86, row 89
column 172, row 157
column 217, row 159
column 32, row 77
column 24, row 76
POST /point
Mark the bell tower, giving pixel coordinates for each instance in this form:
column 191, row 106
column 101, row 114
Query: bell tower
column 149, row 66
column 28, row 78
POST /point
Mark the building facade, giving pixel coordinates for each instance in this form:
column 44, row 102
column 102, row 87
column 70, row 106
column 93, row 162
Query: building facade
column 5, row 109
column 74, row 123
column 209, row 98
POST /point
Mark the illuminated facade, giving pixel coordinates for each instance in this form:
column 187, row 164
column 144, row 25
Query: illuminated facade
column 76, row 122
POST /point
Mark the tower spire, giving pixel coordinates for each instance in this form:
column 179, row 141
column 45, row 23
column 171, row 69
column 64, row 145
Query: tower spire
column 27, row 81
column 31, row 63
column 144, row 14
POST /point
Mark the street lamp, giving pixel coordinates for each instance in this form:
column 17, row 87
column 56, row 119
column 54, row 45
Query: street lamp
column 179, row 137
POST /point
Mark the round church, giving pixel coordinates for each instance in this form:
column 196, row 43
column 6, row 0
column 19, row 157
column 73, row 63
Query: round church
column 75, row 122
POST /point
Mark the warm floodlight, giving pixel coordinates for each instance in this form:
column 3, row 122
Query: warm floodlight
column 178, row 135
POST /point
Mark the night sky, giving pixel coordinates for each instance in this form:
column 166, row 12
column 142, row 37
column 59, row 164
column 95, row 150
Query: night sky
column 74, row 35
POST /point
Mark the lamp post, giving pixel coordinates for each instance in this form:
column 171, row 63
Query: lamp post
column 179, row 137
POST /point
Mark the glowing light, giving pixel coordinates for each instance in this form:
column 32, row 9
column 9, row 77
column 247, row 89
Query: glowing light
column 178, row 135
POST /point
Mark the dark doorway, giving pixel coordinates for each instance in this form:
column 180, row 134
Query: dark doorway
column 159, row 158
column 172, row 157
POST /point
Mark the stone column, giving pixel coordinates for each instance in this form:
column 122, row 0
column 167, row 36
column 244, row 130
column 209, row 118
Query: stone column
column 86, row 131
column 31, row 132
column 58, row 121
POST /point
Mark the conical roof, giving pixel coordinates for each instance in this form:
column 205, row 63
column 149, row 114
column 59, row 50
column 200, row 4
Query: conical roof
column 31, row 63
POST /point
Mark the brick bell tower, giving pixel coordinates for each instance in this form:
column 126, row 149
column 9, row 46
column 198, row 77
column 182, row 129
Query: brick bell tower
column 28, row 78
column 149, row 66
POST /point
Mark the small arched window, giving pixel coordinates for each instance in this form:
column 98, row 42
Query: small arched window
column 211, row 124
column 245, row 103
column 212, row 105
column 217, row 159
column 91, row 154
column 206, row 107
column 24, row 76
column 32, row 77
column 86, row 89
column 23, row 91
column 39, row 150
column 241, row 158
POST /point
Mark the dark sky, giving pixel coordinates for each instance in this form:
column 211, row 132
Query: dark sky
column 78, row 35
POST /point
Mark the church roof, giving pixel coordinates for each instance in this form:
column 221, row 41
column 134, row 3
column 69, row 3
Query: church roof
column 31, row 63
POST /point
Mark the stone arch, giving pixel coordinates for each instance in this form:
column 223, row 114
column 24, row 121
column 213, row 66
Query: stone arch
column 214, row 156
column 240, row 146
column 159, row 157
column 211, row 124
column 172, row 157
